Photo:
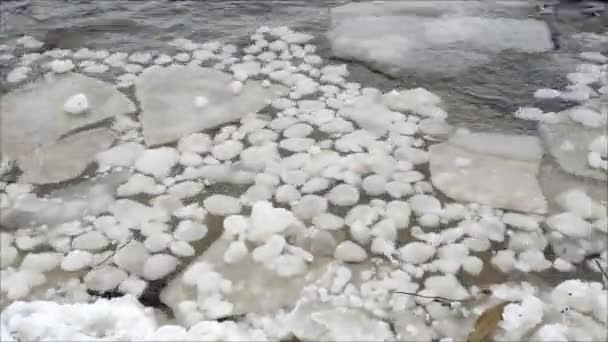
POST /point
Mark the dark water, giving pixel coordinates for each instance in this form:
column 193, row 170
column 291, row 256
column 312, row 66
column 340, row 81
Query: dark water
column 482, row 98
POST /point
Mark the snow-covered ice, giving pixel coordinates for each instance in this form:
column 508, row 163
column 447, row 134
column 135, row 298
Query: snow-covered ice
column 167, row 96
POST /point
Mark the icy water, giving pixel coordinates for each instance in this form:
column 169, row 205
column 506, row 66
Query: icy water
column 481, row 99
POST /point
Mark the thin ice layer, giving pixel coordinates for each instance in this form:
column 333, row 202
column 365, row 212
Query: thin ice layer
column 497, row 177
column 33, row 115
column 453, row 35
column 169, row 107
column 65, row 159
column 569, row 142
column 64, row 205
column 255, row 288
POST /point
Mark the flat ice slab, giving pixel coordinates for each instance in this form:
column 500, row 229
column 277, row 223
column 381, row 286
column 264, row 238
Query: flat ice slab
column 493, row 169
column 568, row 142
column 435, row 36
column 33, row 116
column 65, row 159
column 255, row 288
column 171, row 105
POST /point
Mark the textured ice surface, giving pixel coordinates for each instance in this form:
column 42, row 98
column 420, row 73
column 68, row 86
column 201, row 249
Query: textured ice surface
column 454, row 35
column 168, row 101
column 67, row 204
column 574, row 158
column 497, row 170
column 66, row 158
column 33, row 115
column 120, row 319
column 254, row 287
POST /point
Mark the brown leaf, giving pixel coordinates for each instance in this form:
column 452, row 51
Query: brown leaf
column 486, row 323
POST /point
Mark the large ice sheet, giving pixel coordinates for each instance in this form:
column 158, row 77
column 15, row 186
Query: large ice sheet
column 33, row 115
column 435, row 36
column 255, row 288
column 65, row 159
column 170, row 110
column 497, row 176
column 568, row 142
column 70, row 203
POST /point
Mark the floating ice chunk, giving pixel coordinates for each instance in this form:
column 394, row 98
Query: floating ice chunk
column 535, row 114
column 309, row 206
column 504, row 260
column 271, row 249
column 159, row 266
column 343, row 324
column 570, row 224
column 343, row 195
column 587, row 117
column 296, row 144
column 185, row 189
column 545, row 93
column 425, row 204
column 328, row 221
column 29, row 42
column 595, row 161
column 30, row 114
column 518, row 319
column 579, row 203
column 122, row 318
column 532, row 261
column 41, row 262
column 18, row 74
column 123, row 155
column 418, row 100
column 163, row 59
column 521, row 221
column 179, row 85
column 196, row 143
column 140, row 184
column 157, row 162
column 48, row 164
column 502, row 172
column 222, row 205
column 131, row 257
column 453, row 37
column 190, row 231
column 61, row 66
column 416, row 253
column 76, row 260
column 349, row 251
column 572, row 160
column 594, row 57
column 299, row 130
column 445, row 286
column 95, row 68
column 104, row 278
column 266, row 221
column 227, row 149
column 235, row 252
column 140, row 57
column 287, row 193
column 157, row 241
column 92, row 240
column 472, row 265
column 133, row 214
